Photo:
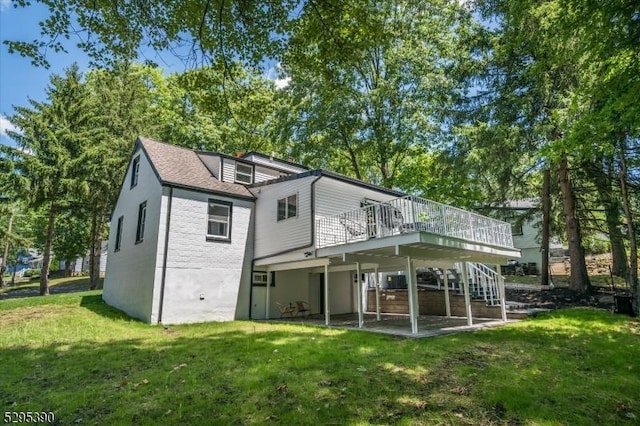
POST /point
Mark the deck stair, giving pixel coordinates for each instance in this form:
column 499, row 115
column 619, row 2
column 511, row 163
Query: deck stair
column 483, row 281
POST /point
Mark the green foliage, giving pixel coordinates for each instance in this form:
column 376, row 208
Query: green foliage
column 298, row 374
column 197, row 32
column 371, row 84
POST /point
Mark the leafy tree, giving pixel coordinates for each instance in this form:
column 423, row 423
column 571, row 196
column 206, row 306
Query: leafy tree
column 198, row 32
column 70, row 239
column 49, row 149
column 371, row 83
column 226, row 109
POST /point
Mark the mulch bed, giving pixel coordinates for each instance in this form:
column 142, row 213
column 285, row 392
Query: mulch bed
column 558, row 298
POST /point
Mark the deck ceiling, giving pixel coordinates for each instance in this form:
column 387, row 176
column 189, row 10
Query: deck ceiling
column 422, row 247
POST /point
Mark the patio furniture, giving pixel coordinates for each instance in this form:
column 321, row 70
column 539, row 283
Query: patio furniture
column 286, row 310
column 354, row 228
column 303, row 307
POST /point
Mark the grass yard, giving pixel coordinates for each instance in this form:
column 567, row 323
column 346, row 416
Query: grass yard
column 90, row 364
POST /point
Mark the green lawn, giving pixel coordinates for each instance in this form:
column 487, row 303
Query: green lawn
column 90, row 364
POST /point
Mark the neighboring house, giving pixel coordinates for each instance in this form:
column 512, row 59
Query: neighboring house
column 82, row 264
column 525, row 217
column 200, row 236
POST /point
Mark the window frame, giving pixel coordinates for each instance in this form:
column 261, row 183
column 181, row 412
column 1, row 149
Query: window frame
column 119, row 227
column 142, row 219
column 286, row 203
column 260, row 283
column 249, row 175
column 229, row 206
column 135, row 171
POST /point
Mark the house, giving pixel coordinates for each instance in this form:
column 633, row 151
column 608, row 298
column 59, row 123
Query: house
column 525, row 217
column 83, row 264
column 201, row 236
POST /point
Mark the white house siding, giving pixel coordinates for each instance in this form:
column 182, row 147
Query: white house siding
column 205, row 280
column 263, row 174
column 334, row 196
column 280, row 165
column 273, row 236
column 129, row 277
column 529, row 245
column 228, row 170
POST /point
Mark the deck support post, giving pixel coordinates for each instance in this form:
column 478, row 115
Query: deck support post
column 413, row 295
column 267, row 299
column 327, row 302
column 359, row 289
column 502, row 295
column 376, row 281
column 467, row 296
column 447, row 301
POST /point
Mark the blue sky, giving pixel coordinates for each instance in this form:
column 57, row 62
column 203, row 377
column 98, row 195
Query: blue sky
column 19, row 79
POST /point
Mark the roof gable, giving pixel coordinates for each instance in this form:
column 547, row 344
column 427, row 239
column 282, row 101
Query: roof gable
column 182, row 167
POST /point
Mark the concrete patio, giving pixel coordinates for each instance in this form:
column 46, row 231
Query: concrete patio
column 399, row 325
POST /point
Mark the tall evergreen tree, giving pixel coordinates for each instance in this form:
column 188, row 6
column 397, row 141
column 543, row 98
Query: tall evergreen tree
column 49, row 152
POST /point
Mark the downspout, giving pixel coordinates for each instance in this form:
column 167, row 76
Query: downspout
column 311, row 243
column 313, row 227
column 166, row 250
column 253, row 260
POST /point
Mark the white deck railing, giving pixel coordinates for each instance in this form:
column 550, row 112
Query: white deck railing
column 410, row 214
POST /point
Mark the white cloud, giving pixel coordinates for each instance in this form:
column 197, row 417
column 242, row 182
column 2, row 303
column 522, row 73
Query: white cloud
column 6, row 125
column 4, row 4
column 274, row 72
column 281, row 83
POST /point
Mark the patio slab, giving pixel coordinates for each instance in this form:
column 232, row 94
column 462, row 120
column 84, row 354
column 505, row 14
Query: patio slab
column 400, row 325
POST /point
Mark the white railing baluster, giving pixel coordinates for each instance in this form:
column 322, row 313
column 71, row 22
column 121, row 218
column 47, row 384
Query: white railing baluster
column 409, row 214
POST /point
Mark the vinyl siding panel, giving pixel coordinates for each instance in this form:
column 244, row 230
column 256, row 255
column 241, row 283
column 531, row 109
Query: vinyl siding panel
column 291, row 169
column 263, row 174
column 228, row 170
column 273, row 236
column 334, row 196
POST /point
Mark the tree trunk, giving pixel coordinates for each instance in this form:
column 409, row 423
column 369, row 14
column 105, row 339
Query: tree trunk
column 579, row 278
column 97, row 226
column 67, row 268
column 5, row 254
column 546, row 224
column 46, row 255
column 612, row 210
column 633, row 248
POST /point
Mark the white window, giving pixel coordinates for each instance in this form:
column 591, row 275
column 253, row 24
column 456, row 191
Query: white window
column 288, row 207
column 219, row 221
column 244, row 173
column 260, row 278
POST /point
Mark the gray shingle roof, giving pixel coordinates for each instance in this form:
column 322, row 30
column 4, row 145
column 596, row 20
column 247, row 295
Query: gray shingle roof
column 182, row 167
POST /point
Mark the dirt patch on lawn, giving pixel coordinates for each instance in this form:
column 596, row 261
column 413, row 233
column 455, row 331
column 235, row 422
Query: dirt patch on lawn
column 30, row 313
